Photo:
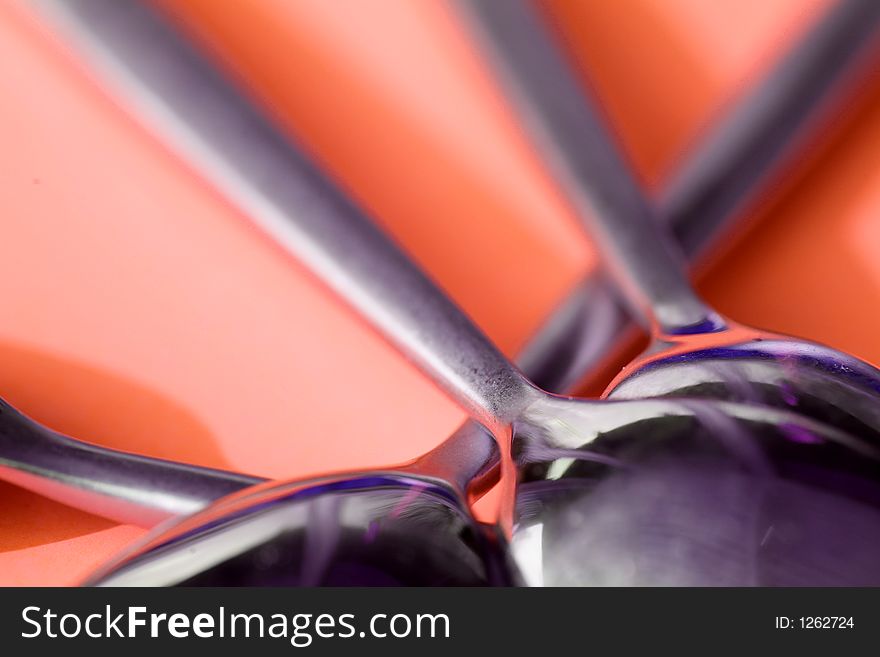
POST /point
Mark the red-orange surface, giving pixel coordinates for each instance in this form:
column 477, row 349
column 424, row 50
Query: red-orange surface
column 142, row 312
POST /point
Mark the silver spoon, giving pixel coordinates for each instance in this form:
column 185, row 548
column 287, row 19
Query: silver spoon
column 323, row 531
column 735, row 160
column 124, row 487
column 283, row 193
column 711, row 504
column 755, row 143
column 694, row 350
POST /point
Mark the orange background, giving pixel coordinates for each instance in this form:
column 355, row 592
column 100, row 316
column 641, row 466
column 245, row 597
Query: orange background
column 142, row 312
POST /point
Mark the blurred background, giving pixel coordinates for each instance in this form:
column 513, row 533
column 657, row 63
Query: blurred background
column 143, row 312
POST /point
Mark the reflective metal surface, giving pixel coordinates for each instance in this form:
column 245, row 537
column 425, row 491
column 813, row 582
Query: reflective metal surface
column 681, row 492
column 744, row 364
column 707, row 500
column 378, row 529
column 125, row 487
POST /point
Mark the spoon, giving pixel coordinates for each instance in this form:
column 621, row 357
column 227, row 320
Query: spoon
column 748, row 151
column 416, row 516
column 735, row 159
column 128, row 488
column 694, row 351
column 703, row 502
column 708, row 504
column 286, row 196
column 321, row 531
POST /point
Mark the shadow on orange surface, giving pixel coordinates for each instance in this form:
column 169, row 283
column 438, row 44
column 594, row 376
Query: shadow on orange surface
column 66, row 396
column 28, row 520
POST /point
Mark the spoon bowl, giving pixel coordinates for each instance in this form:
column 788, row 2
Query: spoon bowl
column 616, row 488
column 739, row 363
column 731, row 495
column 368, row 529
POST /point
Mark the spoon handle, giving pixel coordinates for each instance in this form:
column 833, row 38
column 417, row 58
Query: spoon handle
column 100, row 480
column 598, row 182
column 233, row 145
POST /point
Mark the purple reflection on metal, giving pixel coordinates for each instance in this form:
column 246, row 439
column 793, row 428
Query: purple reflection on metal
column 372, row 532
column 407, row 500
column 338, row 485
column 538, row 452
column 792, row 353
column 325, row 529
column 800, row 434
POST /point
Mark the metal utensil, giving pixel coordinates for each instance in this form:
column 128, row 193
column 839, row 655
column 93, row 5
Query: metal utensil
column 322, row 531
column 709, row 504
column 128, row 488
column 757, row 140
column 727, row 168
